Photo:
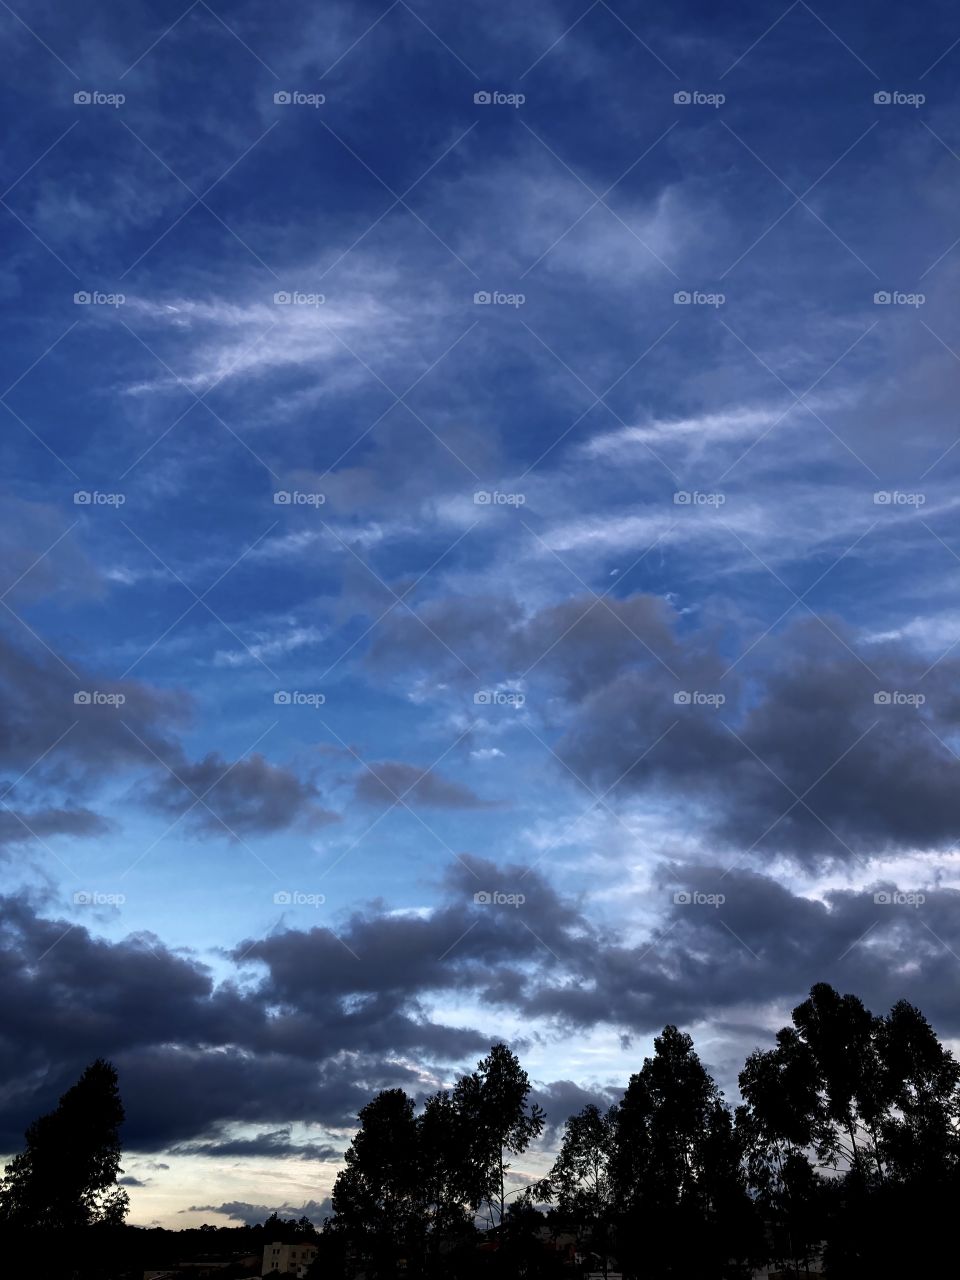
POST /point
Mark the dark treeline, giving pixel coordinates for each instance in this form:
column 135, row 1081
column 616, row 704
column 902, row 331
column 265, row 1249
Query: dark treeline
column 845, row 1155
column 843, row 1158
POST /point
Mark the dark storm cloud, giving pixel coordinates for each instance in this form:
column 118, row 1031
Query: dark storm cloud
column 249, row 797
column 20, row 826
column 252, row 1215
column 276, row 1142
column 802, row 759
column 463, row 942
column 64, row 729
column 726, row 939
column 814, row 745
column 173, row 1092
column 302, row 1044
column 334, row 1017
column 388, row 781
column 563, row 1098
column 41, row 714
column 311, row 1040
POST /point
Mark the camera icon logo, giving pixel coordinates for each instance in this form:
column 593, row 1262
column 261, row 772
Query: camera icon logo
column 482, row 299
column 82, row 299
column 882, row 298
column 681, row 498
column 282, row 298
column 81, row 698
column 682, row 298
column 281, row 498
column 82, row 498
column 682, row 98
column 482, row 698
column 482, row 498
column 82, row 98
column 882, row 699
column 882, row 898
column 483, row 898
column 281, row 698
column 682, row 898
column 681, row 698
column 882, row 98
column 282, row 98
column 82, row 898
column 282, row 898
column 482, row 98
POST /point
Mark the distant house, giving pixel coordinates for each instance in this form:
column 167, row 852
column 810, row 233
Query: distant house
column 288, row 1259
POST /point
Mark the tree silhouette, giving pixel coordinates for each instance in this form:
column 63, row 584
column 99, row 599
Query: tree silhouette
column 67, row 1175
column 580, row 1185
column 496, row 1120
column 379, row 1198
column 678, row 1188
column 443, row 1152
column 780, row 1123
column 851, row 1124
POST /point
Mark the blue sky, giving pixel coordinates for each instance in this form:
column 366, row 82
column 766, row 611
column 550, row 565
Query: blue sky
column 607, row 355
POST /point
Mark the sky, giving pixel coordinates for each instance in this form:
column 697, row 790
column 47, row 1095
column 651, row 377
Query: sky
column 479, row 552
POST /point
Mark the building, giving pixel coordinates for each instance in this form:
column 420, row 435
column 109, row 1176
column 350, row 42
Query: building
column 288, row 1259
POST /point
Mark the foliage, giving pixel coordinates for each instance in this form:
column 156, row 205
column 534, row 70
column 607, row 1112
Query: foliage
column 66, row 1176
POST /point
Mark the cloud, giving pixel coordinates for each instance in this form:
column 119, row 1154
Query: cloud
column 804, row 742
column 60, row 749
column 21, row 826
column 290, row 639
column 311, row 1022
column 763, row 946
column 389, row 781
column 561, row 1099
column 249, row 797
column 252, row 1215
column 276, row 1142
